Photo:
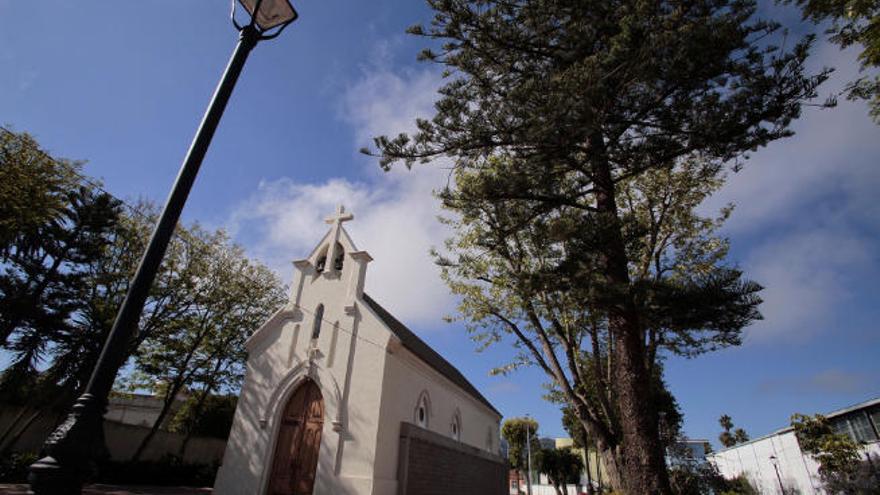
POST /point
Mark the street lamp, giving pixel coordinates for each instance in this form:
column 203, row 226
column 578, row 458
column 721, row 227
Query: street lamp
column 775, row 462
column 69, row 452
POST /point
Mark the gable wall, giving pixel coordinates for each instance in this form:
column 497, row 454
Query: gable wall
column 348, row 371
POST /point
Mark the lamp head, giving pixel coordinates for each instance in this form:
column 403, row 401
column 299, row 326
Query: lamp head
column 267, row 15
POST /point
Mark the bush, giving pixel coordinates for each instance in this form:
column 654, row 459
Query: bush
column 738, row 486
column 14, row 467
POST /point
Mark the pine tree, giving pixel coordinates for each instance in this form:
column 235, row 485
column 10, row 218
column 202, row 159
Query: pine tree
column 571, row 124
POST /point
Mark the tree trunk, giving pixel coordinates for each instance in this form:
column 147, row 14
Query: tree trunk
column 197, row 410
column 585, row 442
column 612, row 468
column 166, row 406
column 642, row 467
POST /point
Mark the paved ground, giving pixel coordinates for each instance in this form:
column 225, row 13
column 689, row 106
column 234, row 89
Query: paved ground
column 117, row 490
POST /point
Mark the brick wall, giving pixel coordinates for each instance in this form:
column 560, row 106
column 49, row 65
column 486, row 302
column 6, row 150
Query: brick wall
column 432, row 464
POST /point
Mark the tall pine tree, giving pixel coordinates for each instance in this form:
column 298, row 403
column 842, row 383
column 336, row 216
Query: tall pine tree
column 584, row 134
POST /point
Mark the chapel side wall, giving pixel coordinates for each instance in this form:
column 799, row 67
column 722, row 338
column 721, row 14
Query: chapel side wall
column 405, row 378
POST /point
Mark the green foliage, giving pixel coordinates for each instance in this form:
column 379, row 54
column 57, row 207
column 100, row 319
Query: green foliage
column 33, row 189
column 515, row 430
column 583, row 135
column 837, row 454
column 562, row 466
column 55, row 228
column 14, row 467
column 211, row 417
column 69, row 250
column 697, row 478
column 730, row 436
column 738, row 486
column 852, row 22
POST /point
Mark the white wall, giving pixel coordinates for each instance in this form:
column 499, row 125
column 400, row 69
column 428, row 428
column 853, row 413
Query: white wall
column 406, row 378
column 348, row 371
column 796, row 469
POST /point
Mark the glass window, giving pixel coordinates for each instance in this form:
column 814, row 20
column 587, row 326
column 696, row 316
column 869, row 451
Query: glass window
column 861, row 427
column 316, row 326
column 456, row 427
column 875, row 418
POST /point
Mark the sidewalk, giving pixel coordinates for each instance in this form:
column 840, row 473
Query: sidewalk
column 117, row 490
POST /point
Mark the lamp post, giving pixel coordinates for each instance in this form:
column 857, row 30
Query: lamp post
column 775, row 462
column 68, row 453
column 529, row 458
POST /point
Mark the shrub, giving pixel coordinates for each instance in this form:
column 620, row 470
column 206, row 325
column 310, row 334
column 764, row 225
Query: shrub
column 14, row 467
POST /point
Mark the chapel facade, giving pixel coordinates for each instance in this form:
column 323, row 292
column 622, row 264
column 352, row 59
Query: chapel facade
column 340, row 397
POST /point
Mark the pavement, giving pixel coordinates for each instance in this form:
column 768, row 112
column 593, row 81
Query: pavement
column 117, row 490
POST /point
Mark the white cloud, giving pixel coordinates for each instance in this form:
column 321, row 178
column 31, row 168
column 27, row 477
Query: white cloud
column 829, row 381
column 395, row 212
column 806, row 276
column 805, row 210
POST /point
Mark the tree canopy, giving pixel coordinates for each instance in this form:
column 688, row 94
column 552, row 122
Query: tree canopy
column 852, row 22
column 583, row 134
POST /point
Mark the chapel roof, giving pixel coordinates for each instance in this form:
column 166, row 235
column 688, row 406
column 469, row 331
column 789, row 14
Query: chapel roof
column 424, row 352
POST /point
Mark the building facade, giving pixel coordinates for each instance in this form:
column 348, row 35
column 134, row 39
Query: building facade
column 775, row 463
column 340, row 397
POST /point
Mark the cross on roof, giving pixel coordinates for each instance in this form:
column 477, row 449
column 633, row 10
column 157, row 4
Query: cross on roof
column 339, row 217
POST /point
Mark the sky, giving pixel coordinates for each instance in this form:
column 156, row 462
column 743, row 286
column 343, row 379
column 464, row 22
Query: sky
column 123, row 85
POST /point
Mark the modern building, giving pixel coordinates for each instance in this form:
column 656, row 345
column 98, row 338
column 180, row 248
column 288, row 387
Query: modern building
column 775, row 463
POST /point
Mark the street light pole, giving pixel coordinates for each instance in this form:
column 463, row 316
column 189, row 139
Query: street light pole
column 529, row 458
column 69, row 452
column 774, row 461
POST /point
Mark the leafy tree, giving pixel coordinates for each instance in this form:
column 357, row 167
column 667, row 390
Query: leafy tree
column 583, row 135
column 840, row 465
column 515, row 431
column 726, row 438
column 853, row 22
column 730, row 436
column 33, row 188
column 562, row 467
column 740, row 435
column 202, row 350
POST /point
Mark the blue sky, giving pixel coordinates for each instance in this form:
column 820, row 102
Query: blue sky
column 124, row 84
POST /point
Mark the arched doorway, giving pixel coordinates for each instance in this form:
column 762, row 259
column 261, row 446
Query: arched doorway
column 299, row 441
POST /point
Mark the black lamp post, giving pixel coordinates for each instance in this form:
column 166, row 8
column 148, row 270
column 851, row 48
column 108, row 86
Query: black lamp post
column 69, row 452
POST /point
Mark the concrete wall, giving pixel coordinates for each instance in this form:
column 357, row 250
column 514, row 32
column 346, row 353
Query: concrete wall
column 796, row 469
column 434, row 464
column 122, row 440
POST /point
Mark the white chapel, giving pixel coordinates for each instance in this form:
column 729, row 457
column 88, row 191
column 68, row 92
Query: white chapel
column 340, row 397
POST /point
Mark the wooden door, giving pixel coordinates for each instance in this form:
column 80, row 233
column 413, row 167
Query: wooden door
column 299, row 442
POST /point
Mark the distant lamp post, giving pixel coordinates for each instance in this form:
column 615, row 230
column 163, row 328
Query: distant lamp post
column 529, row 457
column 775, row 462
column 69, row 452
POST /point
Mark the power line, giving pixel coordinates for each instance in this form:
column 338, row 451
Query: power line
column 339, row 326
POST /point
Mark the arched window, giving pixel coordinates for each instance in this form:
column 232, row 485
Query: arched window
column 455, row 428
column 423, row 410
column 316, row 326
